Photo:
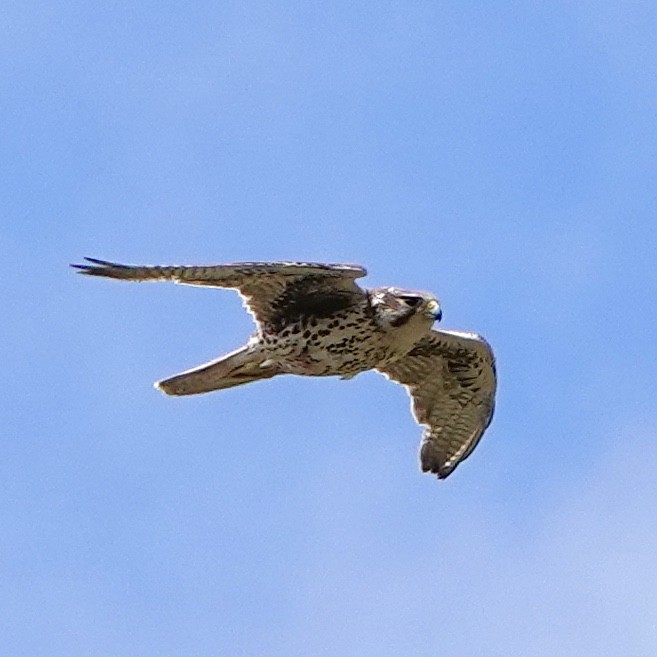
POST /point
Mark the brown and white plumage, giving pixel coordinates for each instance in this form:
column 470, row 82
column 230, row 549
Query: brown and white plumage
column 451, row 380
column 314, row 320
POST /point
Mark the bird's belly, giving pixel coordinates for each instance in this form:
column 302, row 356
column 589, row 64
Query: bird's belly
column 341, row 357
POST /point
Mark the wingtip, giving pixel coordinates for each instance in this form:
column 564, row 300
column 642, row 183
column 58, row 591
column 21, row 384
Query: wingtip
column 89, row 268
column 439, row 472
column 106, row 268
column 80, row 269
column 435, row 463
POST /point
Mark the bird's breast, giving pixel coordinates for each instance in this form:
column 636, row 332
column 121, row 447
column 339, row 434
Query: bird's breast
column 339, row 345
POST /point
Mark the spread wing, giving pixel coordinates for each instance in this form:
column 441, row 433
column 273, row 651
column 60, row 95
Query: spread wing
column 451, row 379
column 272, row 291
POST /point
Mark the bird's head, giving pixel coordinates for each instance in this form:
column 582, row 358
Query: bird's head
column 397, row 307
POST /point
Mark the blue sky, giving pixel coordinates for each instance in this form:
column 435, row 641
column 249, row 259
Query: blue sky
column 502, row 155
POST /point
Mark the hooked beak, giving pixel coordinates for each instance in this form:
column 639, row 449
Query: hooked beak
column 433, row 310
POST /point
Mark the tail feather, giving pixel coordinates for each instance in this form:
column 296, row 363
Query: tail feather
column 234, row 369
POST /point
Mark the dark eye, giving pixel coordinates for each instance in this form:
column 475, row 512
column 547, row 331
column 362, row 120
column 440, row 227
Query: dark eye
column 412, row 301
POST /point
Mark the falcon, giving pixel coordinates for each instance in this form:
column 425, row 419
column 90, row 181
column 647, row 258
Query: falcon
column 313, row 319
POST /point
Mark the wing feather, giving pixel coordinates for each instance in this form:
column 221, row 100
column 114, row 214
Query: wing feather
column 266, row 287
column 451, row 379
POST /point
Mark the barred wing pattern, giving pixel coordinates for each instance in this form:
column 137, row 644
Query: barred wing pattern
column 269, row 289
column 451, row 379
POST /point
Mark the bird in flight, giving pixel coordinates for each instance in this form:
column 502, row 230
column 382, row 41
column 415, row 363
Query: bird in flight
column 313, row 319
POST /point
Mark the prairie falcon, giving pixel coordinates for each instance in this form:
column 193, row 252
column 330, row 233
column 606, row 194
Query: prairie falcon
column 314, row 320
